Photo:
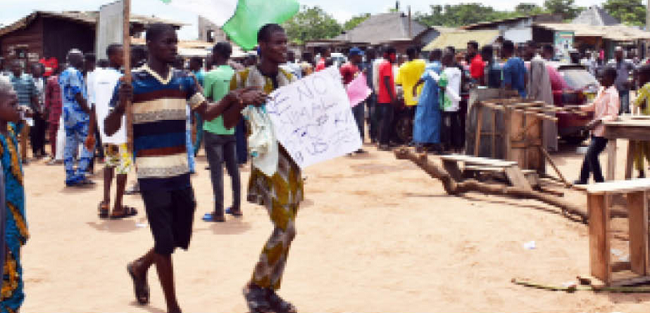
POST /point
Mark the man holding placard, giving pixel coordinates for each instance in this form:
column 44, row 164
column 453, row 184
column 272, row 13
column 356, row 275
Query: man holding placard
column 280, row 190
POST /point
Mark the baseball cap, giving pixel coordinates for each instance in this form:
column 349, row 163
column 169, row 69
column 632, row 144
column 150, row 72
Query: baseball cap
column 356, row 51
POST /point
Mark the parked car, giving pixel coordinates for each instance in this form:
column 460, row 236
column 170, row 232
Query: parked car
column 578, row 88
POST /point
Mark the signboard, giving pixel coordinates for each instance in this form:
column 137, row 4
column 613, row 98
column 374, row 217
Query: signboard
column 563, row 42
column 109, row 27
column 312, row 118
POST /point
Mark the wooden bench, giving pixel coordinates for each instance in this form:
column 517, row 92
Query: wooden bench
column 511, row 169
column 598, row 202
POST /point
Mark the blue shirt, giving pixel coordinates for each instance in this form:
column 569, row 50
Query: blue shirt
column 72, row 83
column 25, row 89
column 514, row 74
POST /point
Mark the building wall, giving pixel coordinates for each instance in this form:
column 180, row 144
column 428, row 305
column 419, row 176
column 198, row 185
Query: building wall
column 25, row 44
column 61, row 36
column 205, row 26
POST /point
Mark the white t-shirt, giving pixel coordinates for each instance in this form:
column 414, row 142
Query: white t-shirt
column 454, row 77
column 103, row 86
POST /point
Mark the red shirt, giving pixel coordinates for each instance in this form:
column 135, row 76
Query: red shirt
column 477, row 67
column 53, row 100
column 386, row 70
column 321, row 65
column 50, row 65
column 349, row 72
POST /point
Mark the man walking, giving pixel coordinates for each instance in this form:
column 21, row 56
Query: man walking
column 37, row 133
column 76, row 121
column 53, row 109
column 160, row 95
column 220, row 142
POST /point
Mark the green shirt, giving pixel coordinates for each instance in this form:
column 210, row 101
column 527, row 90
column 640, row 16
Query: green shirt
column 217, row 86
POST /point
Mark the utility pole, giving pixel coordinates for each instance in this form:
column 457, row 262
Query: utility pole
column 647, row 16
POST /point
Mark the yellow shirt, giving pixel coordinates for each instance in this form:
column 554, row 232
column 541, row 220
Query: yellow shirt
column 643, row 96
column 409, row 75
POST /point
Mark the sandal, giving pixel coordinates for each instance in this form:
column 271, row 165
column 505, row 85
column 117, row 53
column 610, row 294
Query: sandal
column 103, row 210
column 233, row 212
column 278, row 304
column 140, row 287
column 126, row 212
column 256, row 299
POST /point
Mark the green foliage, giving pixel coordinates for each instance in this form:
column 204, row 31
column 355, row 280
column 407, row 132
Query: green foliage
column 355, row 20
column 631, row 12
column 567, row 8
column 528, row 9
column 462, row 14
column 311, row 23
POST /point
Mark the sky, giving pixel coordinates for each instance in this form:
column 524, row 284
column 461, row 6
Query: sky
column 342, row 10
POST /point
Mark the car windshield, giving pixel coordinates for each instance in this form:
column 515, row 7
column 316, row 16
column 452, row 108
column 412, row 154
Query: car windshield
column 578, row 79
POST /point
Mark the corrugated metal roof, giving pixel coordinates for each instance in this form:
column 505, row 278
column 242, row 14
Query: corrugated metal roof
column 616, row 32
column 382, row 28
column 459, row 39
column 86, row 17
column 595, row 16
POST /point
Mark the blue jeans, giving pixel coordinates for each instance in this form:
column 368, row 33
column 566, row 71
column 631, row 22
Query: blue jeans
column 242, row 145
column 199, row 133
column 591, row 163
column 625, row 101
column 359, row 113
column 385, row 114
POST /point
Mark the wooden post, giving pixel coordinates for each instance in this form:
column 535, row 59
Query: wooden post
column 599, row 250
column 611, row 160
column 126, row 36
column 479, row 128
column 637, row 206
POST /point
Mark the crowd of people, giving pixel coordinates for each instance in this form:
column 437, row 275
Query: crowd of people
column 211, row 103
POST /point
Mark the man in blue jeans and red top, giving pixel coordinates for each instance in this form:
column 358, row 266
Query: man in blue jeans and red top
column 386, row 98
column 160, row 96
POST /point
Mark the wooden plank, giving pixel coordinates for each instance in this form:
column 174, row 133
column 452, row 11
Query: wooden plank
column 629, row 163
column 611, row 160
column 619, row 186
column 517, row 178
column 452, row 168
column 627, row 278
column 555, row 168
column 639, row 133
column 494, row 134
column 599, row 251
column 479, row 129
column 484, row 168
column 637, row 206
column 477, row 160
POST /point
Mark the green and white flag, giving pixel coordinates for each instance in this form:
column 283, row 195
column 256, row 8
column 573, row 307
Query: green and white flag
column 240, row 19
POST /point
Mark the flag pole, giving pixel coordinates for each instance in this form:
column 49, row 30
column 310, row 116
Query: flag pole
column 126, row 33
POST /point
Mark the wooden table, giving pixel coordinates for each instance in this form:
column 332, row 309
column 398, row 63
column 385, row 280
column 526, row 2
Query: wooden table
column 632, row 128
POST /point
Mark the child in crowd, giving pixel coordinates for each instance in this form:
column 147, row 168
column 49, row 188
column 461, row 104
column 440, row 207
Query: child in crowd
column 643, row 97
column 605, row 108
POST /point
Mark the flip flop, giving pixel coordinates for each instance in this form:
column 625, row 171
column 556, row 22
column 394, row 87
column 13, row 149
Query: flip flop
column 209, row 217
column 140, row 287
column 234, row 213
column 126, row 212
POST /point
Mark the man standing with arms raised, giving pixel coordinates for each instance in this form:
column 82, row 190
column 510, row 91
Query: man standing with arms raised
column 160, row 95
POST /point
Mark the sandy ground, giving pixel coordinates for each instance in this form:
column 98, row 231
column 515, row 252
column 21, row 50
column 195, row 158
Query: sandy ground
column 374, row 235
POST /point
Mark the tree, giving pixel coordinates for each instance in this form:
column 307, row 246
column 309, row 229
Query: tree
column 567, row 8
column 631, row 12
column 461, row 14
column 311, row 23
column 528, row 9
column 355, row 20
